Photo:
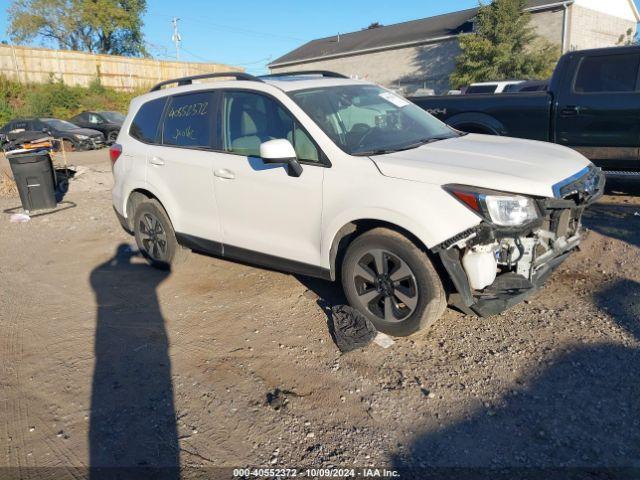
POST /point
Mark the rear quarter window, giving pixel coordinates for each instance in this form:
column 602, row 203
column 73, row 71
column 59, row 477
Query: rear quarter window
column 145, row 124
column 188, row 121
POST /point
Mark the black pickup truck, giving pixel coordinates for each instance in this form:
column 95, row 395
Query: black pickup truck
column 592, row 105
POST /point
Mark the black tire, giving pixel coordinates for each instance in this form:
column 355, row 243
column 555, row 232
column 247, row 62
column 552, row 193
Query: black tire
column 406, row 296
column 112, row 136
column 155, row 236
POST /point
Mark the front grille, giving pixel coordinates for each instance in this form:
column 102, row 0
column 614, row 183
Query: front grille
column 582, row 187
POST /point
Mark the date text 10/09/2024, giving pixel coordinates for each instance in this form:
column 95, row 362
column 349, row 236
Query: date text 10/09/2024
column 315, row 473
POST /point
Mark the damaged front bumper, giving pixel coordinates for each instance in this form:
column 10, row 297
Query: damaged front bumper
column 524, row 258
column 92, row 143
column 509, row 288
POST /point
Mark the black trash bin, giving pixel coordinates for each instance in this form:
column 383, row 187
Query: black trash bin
column 34, row 176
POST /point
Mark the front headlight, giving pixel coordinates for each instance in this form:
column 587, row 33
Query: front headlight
column 510, row 211
column 502, row 209
column 81, row 137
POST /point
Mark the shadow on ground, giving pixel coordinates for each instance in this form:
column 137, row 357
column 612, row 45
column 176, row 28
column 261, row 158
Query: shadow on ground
column 327, row 295
column 619, row 221
column 579, row 419
column 622, row 186
column 132, row 432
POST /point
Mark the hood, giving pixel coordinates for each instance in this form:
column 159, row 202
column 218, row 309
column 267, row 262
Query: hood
column 497, row 163
column 85, row 131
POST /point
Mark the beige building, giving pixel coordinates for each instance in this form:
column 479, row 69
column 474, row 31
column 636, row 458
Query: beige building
column 421, row 53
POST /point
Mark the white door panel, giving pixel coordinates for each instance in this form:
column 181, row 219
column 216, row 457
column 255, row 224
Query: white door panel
column 183, row 179
column 265, row 210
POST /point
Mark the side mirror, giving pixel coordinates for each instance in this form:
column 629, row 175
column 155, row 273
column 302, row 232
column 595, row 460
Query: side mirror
column 281, row 151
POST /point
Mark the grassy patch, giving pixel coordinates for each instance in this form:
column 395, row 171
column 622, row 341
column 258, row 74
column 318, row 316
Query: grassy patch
column 56, row 99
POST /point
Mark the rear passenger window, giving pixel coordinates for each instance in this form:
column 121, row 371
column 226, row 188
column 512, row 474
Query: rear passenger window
column 188, row 121
column 145, row 124
column 610, row 73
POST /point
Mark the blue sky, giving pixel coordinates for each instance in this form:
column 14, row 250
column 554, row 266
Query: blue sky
column 249, row 33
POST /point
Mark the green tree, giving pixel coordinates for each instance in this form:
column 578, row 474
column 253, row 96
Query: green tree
column 96, row 26
column 629, row 38
column 374, row 25
column 503, row 46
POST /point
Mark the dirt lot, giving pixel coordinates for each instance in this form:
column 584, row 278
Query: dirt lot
column 104, row 361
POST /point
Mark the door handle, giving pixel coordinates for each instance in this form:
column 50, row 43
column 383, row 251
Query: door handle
column 570, row 111
column 157, row 161
column 224, row 173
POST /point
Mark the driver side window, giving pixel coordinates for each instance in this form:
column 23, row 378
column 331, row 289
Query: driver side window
column 93, row 118
column 249, row 119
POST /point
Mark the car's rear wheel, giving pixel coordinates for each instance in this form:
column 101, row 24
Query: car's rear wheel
column 392, row 281
column 155, row 236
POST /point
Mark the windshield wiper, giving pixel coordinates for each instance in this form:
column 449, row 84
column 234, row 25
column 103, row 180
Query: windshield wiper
column 377, row 151
column 424, row 141
column 419, row 143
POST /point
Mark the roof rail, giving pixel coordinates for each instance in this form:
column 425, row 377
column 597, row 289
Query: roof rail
column 322, row 73
column 189, row 80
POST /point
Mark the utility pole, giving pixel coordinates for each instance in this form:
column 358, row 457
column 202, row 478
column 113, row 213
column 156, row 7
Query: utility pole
column 176, row 38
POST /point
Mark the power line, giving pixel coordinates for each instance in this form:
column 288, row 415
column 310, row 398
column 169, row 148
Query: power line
column 161, row 50
column 208, row 23
column 207, row 60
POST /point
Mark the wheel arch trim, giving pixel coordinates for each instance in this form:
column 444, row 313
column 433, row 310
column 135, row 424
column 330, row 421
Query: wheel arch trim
column 477, row 119
column 343, row 232
column 148, row 193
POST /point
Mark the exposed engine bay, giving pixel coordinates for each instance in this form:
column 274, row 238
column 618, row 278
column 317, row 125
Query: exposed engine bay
column 493, row 268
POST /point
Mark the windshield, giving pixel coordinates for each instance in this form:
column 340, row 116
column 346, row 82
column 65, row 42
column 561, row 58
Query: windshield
column 369, row 120
column 114, row 117
column 59, row 124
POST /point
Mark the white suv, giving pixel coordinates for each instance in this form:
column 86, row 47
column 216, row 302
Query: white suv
column 317, row 174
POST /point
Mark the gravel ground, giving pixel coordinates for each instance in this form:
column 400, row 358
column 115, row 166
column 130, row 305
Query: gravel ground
column 104, row 361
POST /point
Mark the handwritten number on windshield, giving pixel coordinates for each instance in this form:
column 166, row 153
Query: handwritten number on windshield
column 190, row 110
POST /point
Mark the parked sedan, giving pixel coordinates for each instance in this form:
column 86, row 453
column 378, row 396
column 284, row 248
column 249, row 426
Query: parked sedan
column 108, row 123
column 74, row 137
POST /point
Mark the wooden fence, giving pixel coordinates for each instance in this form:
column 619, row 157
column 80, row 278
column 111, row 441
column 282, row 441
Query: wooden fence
column 39, row 65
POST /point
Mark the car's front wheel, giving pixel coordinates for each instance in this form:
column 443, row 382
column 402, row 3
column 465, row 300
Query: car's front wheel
column 155, row 236
column 392, row 281
column 112, row 136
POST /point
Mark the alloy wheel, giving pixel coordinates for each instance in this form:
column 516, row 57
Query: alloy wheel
column 153, row 237
column 385, row 285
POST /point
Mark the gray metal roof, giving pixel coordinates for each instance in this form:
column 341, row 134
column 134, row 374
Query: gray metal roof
column 421, row 30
